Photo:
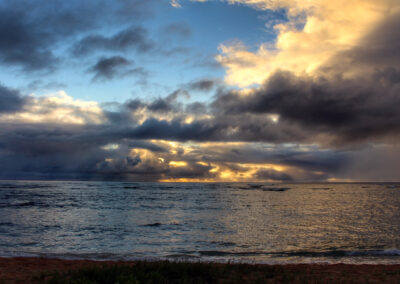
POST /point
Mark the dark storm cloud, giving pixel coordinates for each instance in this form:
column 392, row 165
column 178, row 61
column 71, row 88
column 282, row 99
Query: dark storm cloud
column 132, row 38
column 216, row 127
column 233, row 120
column 148, row 146
column 203, row 85
column 135, row 104
column 196, row 108
column 63, row 151
column 388, row 75
column 330, row 161
column 328, row 110
column 167, row 104
column 22, row 45
column 233, row 128
column 30, row 30
column 344, row 108
column 115, row 66
column 160, row 105
column 174, row 130
column 47, row 139
column 334, row 107
column 77, row 151
column 379, row 49
column 11, row 100
column 348, row 110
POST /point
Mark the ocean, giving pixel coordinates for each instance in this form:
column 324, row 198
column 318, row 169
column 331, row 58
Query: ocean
column 222, row 222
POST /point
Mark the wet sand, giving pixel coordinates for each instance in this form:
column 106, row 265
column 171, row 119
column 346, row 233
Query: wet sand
column 34, row 270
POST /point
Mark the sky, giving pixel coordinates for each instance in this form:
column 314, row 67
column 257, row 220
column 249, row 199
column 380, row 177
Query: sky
column 200, row 90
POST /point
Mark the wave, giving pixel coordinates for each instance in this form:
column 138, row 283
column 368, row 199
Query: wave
column 393, row 186
column 311, row 254
column 152, row 225
column 29, row 204
column 321, row 188
column 157, row 224
column 25, row 204
column 387, row 252
column 389, row 256
column 275, row 188
column 343, row 253
column 24, row 186
column 264, row 187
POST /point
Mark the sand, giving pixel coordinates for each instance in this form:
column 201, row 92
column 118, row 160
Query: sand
column 28, row 270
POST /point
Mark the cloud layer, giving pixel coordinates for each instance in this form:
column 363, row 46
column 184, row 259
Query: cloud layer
column 318, row 104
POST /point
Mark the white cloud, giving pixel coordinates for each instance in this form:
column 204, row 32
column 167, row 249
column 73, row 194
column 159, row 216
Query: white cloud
column 175, row 4
column 58, row 108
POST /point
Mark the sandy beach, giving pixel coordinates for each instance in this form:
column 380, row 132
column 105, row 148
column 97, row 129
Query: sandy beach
column 39, row 270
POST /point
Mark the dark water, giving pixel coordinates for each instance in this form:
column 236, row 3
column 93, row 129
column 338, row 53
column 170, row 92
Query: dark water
column 350, row 223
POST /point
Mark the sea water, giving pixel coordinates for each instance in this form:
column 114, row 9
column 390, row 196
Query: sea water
column 236, row 222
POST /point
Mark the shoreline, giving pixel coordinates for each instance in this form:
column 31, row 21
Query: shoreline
column 37, row 270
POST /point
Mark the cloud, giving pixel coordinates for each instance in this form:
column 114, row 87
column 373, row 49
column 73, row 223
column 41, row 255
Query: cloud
column 175, row 4
column 55, row 137
column 203, row 84
column 115, row 66
column 153, row 147
column 109, row 151
column 160, row 109
column 31, row 33
column 22, row 45
column 332, row 111
column 131, row 38
column 314, row 34
column 375, row 53
column 287, row 108
column 352, row 97
column 11, row 101
column 56, row 108
column 325, row 107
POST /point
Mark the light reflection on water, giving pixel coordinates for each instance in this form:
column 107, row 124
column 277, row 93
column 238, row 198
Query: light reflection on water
column 236, row 222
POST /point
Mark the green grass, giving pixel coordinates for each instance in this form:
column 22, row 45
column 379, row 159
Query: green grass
column 163, row 272
column 179, row 272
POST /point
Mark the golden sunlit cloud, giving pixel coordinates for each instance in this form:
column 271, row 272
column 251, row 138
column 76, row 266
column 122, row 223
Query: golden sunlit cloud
column 57, row 108
column 230, row 172
column 194, row 165
column 326, row 28
column 186, row 180
column 177, row 163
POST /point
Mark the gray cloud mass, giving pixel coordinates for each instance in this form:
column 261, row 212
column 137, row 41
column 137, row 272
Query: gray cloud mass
column 131, row 38
column 349, row 112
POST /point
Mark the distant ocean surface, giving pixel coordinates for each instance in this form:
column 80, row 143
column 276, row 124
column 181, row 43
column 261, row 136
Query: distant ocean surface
column 237, row 222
